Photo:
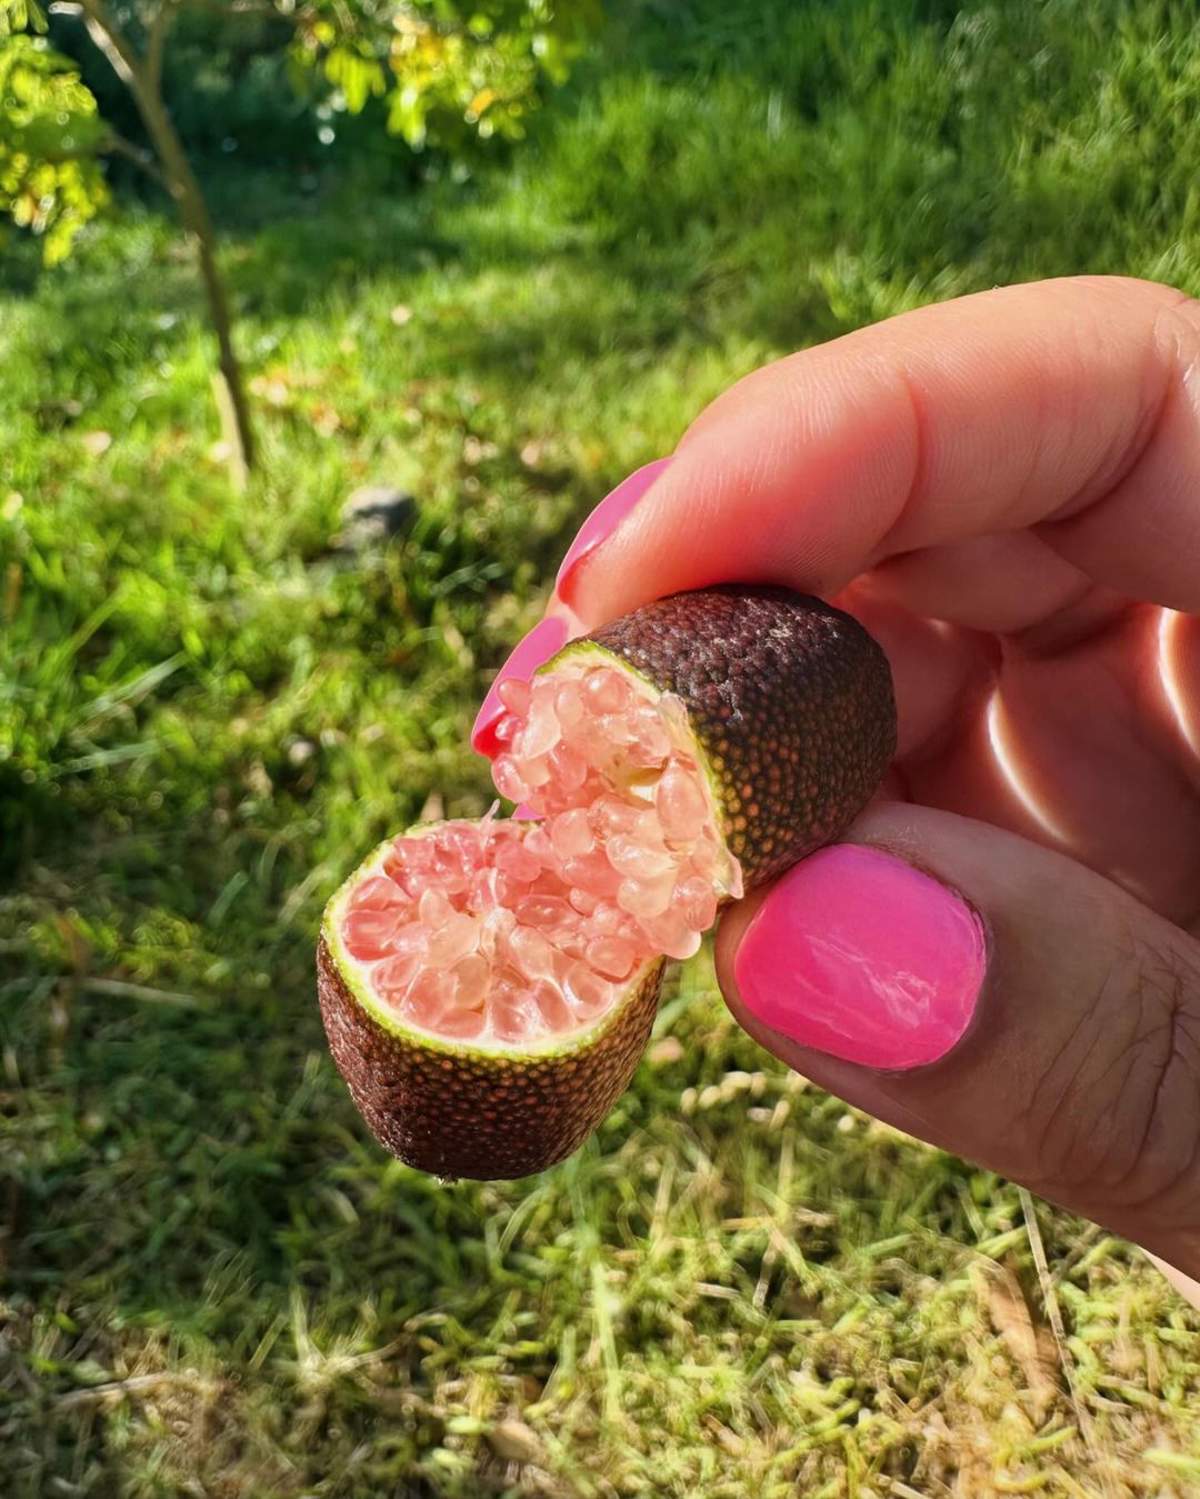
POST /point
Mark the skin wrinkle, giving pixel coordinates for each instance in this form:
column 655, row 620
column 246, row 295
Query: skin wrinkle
column 1151, row 1049
column 921, row 443
column 1121, row 459
column 760, row 466
column 1182, row 1173
column 1094, row 1105
column 1049, row 1088
column 1055, row 1137
column 1185, row 1177
column 1058, row 632
column 729, row 427
column 772, row 453
column 1142, row 736
column 967, row 584
column 1163, row 1028
column 1171, row 1204
column 1122, row 686
column 1075, row 589
column 1179, row 985
column 1081, row 1023
column 958, row 724
column 808, row 410
column 1037, row 456
column 1086, row 427
column 1181, row 317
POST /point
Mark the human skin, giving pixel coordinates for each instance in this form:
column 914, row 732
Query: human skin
column 1002, row 955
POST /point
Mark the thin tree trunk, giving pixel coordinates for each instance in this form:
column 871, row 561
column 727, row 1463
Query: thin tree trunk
column 141, row 76
column 193, row 211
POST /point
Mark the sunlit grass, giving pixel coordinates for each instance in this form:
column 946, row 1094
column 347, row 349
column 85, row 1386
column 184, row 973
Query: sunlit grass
column 213, row 1281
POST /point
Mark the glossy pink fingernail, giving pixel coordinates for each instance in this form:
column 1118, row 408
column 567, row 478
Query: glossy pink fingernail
column 857, row 954
column 533, row 651
column 604, row 520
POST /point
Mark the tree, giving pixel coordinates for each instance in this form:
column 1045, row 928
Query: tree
column 443, row 69
column 50, row 139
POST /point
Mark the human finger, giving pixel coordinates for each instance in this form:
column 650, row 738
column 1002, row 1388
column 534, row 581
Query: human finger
column 995, row 999
column 1065, row 406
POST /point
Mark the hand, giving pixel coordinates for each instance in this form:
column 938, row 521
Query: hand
column 1002, row 956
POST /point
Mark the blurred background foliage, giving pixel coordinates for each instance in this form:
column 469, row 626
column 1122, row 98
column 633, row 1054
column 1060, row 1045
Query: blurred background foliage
column 282, row 84
column 440, row 71
column 212, row 703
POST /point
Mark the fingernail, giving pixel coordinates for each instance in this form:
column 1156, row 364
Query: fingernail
column 604, row 520
column 536, row 648
column 857, row 954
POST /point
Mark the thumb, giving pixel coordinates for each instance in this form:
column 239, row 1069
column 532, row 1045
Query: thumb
column 995, row 999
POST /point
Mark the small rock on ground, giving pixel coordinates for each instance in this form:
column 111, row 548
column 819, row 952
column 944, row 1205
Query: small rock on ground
column 374, row 514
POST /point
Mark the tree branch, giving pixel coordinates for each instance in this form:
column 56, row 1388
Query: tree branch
column 140, row 76
column 111, row 145
column 159, row 27
column 266, row 10
column 117, row 145
column 116, row 47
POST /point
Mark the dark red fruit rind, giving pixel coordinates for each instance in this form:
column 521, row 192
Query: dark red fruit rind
column 790, row 699
column 791, row 702
column 487, row 1115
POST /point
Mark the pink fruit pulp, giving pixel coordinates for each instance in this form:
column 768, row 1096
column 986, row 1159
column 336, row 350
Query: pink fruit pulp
column 511, row 932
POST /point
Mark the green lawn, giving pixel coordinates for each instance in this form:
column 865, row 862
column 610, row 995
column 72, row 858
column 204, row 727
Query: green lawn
column 212, row 1282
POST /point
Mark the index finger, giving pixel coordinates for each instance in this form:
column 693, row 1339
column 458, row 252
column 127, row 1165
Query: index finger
column 1068, row 407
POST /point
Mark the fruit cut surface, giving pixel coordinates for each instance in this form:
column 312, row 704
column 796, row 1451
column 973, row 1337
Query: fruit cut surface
column 510, row 933
column 488, row 987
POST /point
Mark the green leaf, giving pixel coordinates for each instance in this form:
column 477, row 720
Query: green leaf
column 50, row 137
column 450, row 69
column 406, row 116
column 359, row 77
column 21, row 15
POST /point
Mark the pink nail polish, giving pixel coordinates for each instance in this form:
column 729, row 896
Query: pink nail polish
column 857, row 954
column 535, row 649
column 604, row 520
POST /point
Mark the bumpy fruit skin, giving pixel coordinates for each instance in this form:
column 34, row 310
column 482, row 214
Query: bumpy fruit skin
column 452, row 1110
column 791, row 702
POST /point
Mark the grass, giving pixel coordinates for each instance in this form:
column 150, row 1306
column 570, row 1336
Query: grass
column 213, row 1283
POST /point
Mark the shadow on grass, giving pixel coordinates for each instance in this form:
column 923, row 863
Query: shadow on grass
column 780, row 175
column 185, row 1164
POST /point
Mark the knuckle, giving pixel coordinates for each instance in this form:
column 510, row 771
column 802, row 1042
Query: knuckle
column 1177, row 343
column 1115, row 1125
